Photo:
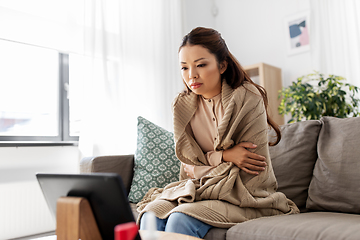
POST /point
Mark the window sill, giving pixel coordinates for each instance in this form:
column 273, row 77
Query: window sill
column 37, row 143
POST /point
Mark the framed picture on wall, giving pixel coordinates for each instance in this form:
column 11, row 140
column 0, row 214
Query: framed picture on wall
column 297, row 29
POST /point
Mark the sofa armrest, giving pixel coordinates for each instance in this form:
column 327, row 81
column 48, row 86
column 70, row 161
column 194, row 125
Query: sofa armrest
column 120, row 164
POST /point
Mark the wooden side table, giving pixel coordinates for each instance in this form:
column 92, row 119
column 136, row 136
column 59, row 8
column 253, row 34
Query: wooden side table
column 169, row 235
column 161, row 236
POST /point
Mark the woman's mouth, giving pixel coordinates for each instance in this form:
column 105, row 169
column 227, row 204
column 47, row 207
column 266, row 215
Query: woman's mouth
column 195, row 85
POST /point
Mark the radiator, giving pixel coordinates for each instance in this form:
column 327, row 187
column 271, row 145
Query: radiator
column 23, row 210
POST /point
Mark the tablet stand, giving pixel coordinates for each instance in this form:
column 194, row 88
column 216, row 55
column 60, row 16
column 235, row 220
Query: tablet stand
column 75, row 220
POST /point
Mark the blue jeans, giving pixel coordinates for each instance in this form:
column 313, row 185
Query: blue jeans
column 179, row 223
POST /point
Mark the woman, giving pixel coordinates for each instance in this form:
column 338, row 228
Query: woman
column 220, row 129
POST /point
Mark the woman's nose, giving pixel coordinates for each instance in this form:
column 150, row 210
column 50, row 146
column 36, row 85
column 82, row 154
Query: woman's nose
column 193, row 73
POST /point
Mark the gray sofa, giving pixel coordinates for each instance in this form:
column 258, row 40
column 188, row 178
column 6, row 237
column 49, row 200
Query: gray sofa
column 317, row 165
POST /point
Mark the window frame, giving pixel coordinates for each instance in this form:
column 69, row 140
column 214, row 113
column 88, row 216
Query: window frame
column 63, row 138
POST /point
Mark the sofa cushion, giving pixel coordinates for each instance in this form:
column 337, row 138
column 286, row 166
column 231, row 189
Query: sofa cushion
column 336, row 182
column 134, row 211
column 155, row 162
column 314, row 225
column 294, row 157
column 120, row 164
column 216, row 234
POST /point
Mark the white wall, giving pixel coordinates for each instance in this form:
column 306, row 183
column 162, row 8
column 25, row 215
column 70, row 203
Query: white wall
column 197, row 13
column 253, row 30
column 23, row 210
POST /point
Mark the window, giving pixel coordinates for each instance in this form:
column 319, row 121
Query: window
column 77, row 67
column 34, row 91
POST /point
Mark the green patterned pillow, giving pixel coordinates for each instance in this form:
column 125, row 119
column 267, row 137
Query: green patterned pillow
column 155, row 162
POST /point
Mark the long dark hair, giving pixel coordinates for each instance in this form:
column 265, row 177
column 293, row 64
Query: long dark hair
column 234, row 75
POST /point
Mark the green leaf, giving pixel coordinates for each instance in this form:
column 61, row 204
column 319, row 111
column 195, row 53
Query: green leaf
column 313, row 96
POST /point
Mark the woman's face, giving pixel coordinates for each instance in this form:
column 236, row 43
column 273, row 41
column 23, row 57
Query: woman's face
column 200, row 70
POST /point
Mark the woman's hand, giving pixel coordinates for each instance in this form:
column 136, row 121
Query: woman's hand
column 189, row 169
column 247, row 161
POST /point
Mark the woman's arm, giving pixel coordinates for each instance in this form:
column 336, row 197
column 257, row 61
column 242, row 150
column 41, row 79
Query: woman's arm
column 247, row 161
column 239, row 155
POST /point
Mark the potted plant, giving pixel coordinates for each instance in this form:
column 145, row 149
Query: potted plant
column 313, row 96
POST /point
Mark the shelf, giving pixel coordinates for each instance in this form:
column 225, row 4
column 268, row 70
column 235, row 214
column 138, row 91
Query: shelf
column 269, row 77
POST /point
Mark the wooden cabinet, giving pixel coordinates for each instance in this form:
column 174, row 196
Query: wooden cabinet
column 270, row 78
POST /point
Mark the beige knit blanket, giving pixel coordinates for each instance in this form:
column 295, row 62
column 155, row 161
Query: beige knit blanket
column 226, row 195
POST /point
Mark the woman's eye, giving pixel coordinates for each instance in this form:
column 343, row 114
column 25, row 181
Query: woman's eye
column 201, row 65
column 183, row 68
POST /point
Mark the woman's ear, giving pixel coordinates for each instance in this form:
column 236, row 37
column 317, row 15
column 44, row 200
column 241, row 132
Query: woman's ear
column 223, row 66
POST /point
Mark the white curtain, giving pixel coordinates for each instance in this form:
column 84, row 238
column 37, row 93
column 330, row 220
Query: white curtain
column 47, row 24
column 336, row 38
column 133, row 71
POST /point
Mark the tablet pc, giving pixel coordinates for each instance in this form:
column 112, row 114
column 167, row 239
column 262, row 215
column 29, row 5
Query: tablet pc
column 104, row 191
